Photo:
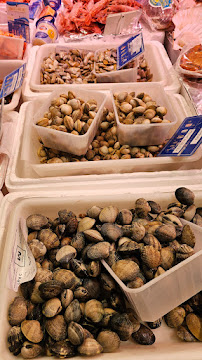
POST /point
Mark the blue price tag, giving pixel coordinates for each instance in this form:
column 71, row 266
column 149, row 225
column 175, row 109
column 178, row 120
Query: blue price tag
column 129, row 50
column 186, row 139
column 12, row 81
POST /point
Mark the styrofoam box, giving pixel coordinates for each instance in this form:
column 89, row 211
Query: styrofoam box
column 158, row 61
column 167, row 345
column 6, row 67
column 162, row 294
column 146, row 134
column 11, row 47
column 75, row 144
column 24, row 168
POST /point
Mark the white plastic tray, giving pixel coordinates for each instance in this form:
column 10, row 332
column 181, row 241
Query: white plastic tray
column 158, row 61
column 27, row 159
column 167, row 346
column 6, row 67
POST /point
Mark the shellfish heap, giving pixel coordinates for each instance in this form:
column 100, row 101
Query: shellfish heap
column 72, row 305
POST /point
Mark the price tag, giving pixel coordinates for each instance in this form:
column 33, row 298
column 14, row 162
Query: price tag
column 186, row 139
column 129, row 50
column 12, row 81
column 22, row 266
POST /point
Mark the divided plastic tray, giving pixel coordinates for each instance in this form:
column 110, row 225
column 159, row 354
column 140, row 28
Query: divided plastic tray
column 6, row 67
column 155, row 53
column 167, row 346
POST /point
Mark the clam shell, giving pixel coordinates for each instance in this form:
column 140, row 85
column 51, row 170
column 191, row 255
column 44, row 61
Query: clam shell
column 93, row 235
column 30, row 350
column 107, row 282
column 43, row 275
column 63, row 349
column 65, row 254
column 79, row 268
column 67, row 296
column 94, row 212
column 194, row 324
column 56, row 327
column 94, row 268
column 175, row 317
column 125, row 217
column 144, row 336
column 52, row 307
column 167, row 257
column 66, row 277
column 48, row 238
column 121, row 324
column 137, row 231
column 111, row 232
column 37, row 248
column 126, row 270
column 15, row 339
column 78, row 241
column 90, row 347
column 165, row 233
column 94, row 311
column 151, row 256
column 31, row 329
column 150, row 239
column 36, row 221
column 75, row 333
column 108, row 312
column 142, row 208
column 184, row 334
column 155, row 208
column 184, row 196
column 109, row 214
column 17, row 311
column 109, row 340
column 73, row 312
column 187, row 236
column 51, row 289
column 189, row 212
column 99, row 251
column 85, row 224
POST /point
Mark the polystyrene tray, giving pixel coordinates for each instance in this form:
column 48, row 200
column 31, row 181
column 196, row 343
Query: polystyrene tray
column 167, row 345
column 146, row 134
column 161, row 67
column 6, row 67
column 75, row 144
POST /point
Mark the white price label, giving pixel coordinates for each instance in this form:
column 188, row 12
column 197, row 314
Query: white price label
column 23, row 266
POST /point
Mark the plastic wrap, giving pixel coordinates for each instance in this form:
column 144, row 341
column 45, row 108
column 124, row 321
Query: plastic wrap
column 158, row 14
column 189, row 63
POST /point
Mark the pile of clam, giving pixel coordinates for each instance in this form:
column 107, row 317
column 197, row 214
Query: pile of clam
column 77, row 67
column 69, row 114
column 106, row 60
column 105, row 146
column 138, row 109
column 72, row 67
column 187, row 319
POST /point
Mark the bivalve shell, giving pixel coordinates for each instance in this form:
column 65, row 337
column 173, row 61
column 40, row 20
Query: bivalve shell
column 109, row 214
column 125, row 217
column 52, row 307
column 90, row 347
column 94, row 212
column 36, row 221
column 73, row 312
column 121, row 324
column 30, row 350
column 175, row 317
column 165, row 233
column 109, row 340
column 85, row 224
column 194, row 324
column 75, row 333
column 126, row 270
column 50, row 289
column 184, row 196
column 94, row 311
column 188, row 236
column 65, row 254
column 111, row 232
column 184, row 334
column 48, row 238
column 144, row 336
column 17, row 311
column 99, row 251
column 56, row 327
column 151, row 256
column 167, row 257
column 15, row 339
column 62, row 349
column 67, row 277
column 66, row 297
column 93, row 235
column 31, row 329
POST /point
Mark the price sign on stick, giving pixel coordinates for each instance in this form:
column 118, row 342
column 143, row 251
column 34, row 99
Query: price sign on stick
column 12, row 81
column 129, row 50
column 186, row 139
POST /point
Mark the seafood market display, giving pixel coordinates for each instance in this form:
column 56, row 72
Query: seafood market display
column 69, row 114
column 105, row 146
column 74, row 66
column 77, row 67
column 138, row 109
column 90, row 16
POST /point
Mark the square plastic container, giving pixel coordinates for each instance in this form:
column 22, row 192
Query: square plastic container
column 145, row 134
column 6, row 67
column 118, row 76
column 162, row 294
column 75, row 144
